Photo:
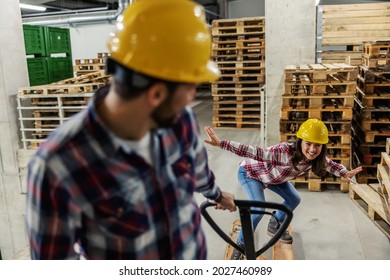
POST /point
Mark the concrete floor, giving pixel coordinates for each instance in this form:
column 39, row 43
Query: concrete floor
column 326, row 225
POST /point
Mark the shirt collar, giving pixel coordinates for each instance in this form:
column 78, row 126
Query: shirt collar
column 103, row 135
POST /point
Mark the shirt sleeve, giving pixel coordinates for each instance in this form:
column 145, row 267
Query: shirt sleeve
column 205, row 179
column 335, row 168
column 278, row 153
column 50, row 232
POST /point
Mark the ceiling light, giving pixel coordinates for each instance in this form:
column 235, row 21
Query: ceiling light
column 32, row 7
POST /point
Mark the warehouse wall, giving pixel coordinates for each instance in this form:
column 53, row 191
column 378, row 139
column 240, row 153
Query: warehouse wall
column 89, row 40
column 13, row 74
column 290, row 39
column 246, row 8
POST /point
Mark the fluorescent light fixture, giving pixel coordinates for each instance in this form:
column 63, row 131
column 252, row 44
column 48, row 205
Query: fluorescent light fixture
column 32, row 7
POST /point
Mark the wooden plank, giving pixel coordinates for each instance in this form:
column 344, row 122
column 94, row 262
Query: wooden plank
column 361, row 20
column 355, row 14
column 355, row 27
column 283, row 251
column 355, row 7
column 350, row 41
column 357, row 33
column 233, row 234
column 371, row 203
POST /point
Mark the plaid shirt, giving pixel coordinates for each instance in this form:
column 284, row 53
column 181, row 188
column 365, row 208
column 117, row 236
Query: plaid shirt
column 273, row 165
column 84, row 188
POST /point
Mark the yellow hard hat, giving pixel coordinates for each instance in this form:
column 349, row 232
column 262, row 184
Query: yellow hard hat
column 169, row 40
column 313, row 130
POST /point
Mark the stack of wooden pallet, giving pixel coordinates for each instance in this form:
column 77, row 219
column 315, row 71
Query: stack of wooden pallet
column 374, row 199
column 371, row 124
column 238, row 48
column 325, row 92
column 90, row 65
column 43, row 108
column 346, row 27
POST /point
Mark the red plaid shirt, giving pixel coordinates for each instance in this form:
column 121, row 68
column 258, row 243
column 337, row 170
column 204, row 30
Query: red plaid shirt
column 84, row 187
column 273, row 165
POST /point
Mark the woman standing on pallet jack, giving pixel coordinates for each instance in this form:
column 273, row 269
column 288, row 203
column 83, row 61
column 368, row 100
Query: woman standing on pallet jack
column 274, row 166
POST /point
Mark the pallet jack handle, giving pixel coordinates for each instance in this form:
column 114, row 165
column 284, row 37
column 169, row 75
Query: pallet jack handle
column 245, row 211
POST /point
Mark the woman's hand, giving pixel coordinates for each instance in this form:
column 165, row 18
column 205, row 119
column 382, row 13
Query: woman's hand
column 213, row 138
column 350, row 174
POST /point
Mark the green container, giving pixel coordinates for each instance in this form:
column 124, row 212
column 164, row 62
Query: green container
column 38, row 71
column 60, row 68
column 34, row 40
column 57, row 40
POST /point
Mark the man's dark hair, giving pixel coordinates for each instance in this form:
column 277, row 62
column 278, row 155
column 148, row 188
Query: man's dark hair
column 130, row 84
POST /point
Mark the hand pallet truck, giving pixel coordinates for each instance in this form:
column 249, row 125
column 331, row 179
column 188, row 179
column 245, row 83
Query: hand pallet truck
column 245, row 208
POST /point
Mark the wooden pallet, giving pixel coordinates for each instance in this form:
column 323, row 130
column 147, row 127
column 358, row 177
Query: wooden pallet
column 324, row 88
column 244, row 124
column 280, row 251
column 246, row 21
column 371, row 203
column 224, row 52
column 326, row 114
column 239, row 98
column 376, row 48
column 312, row 73
column 283, row 251
column 318, row 185
column 220, row 91
column 379, row 62
column 232, row 64
column 59, row 89
column 381, row 113
column 375, row 125
column 234, row 44
column 374, row 88
column 247, row 71
column 341, row 139
column 373, row 75
column 384, row 171
column 40, row 114
column 318, row 101
column 388, row 146
column 376, row 100
column 248, row 80
column 352, row 57
column 334, row 127
column 94, row 77
column 244, row 58
column 88, row 61
column 351, row 25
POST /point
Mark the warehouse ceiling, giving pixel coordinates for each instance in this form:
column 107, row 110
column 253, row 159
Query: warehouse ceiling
column 215, row 9
column 53, row 6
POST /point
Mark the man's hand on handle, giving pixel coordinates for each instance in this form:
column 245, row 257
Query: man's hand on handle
column 226, row 202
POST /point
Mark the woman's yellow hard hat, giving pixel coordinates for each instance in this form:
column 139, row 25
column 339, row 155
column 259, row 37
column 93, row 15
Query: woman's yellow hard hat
column 313, row 130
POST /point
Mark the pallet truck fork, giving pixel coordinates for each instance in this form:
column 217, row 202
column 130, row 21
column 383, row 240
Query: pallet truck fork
column 245, row 208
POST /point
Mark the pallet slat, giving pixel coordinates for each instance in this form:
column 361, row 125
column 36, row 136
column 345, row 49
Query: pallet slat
column 371, row 203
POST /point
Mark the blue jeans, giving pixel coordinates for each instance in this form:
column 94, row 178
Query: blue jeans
column 254, row 190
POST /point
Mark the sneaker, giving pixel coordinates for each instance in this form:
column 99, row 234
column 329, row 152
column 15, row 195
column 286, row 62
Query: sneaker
column 236, row 254
column 273, row 227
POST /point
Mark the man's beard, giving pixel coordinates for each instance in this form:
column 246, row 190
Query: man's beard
column 160, row 117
